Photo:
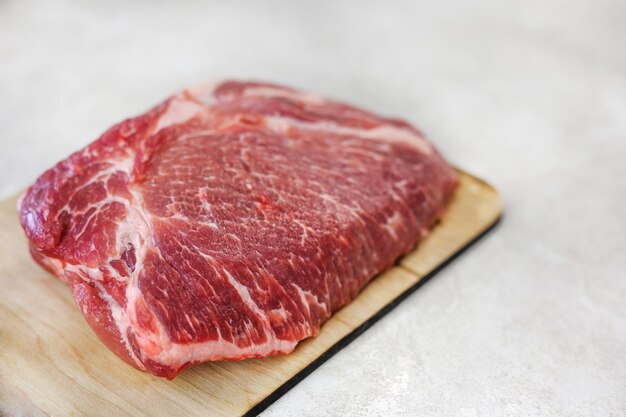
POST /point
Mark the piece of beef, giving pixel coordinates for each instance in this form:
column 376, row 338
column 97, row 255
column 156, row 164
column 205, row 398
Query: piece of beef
column 231, row 220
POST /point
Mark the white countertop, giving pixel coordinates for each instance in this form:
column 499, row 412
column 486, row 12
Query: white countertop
column 530, row 96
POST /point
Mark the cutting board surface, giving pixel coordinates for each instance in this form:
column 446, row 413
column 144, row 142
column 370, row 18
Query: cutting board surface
column 51, row 363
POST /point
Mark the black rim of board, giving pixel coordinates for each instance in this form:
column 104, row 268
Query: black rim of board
column 346, row 340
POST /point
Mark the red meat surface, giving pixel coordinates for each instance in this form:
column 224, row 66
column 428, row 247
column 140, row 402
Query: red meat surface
column 231, row 220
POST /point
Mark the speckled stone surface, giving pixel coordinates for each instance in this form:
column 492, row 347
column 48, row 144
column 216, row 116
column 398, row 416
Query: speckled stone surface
column 529, row 95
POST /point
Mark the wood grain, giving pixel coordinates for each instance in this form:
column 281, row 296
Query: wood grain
column 51, row 363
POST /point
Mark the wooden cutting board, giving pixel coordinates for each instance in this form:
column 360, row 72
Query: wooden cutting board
column 51, row 363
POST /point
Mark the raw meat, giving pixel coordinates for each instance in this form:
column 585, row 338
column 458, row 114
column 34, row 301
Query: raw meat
column 231, row 220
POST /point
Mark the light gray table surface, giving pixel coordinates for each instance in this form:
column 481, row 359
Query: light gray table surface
column 529, row 95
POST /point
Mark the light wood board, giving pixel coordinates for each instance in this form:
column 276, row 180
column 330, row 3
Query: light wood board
column 51, row 363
